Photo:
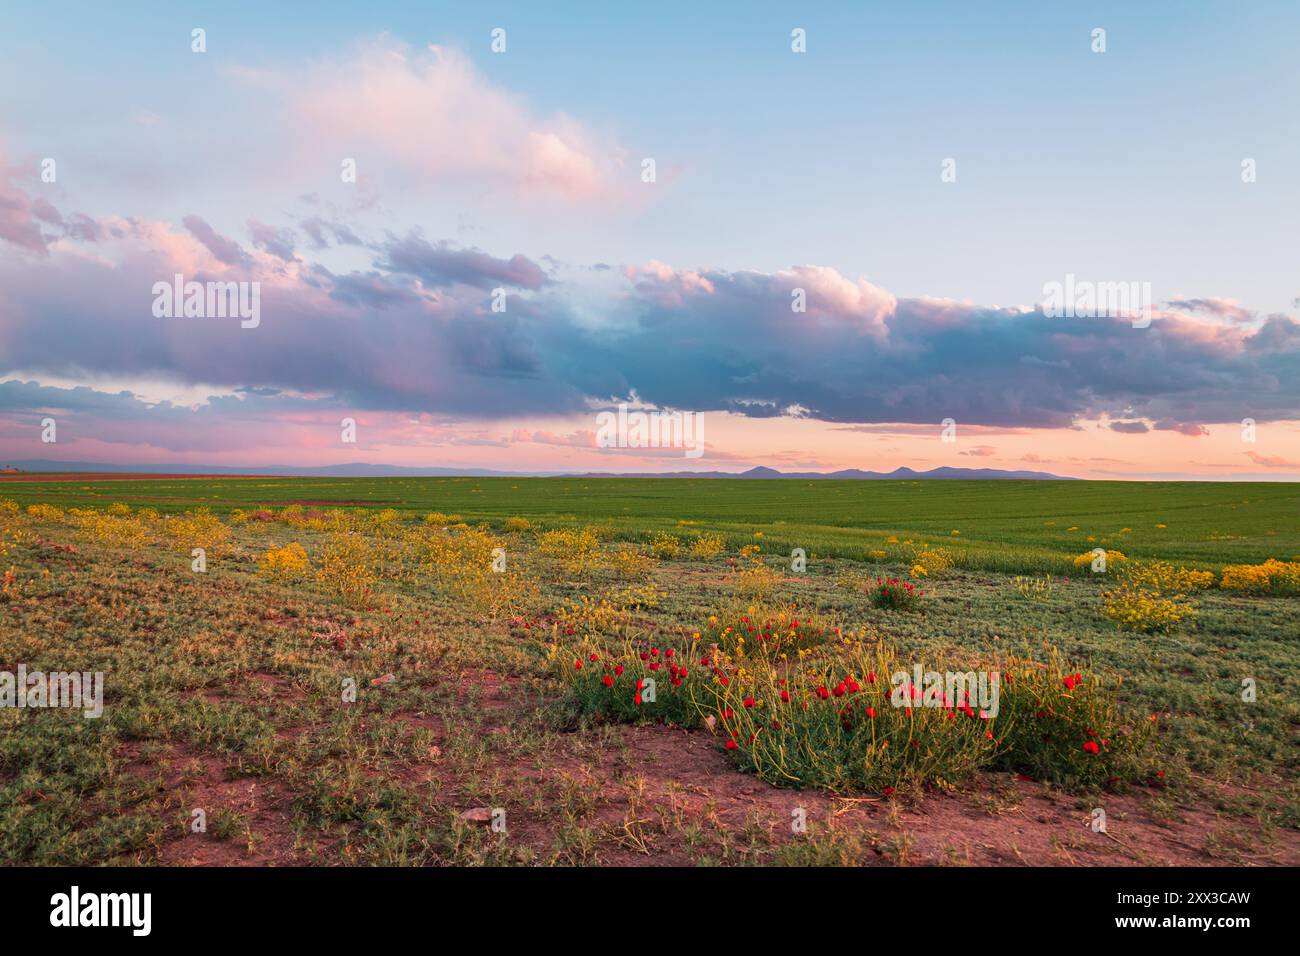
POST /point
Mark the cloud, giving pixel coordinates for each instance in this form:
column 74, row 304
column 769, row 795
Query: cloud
column 1223, row 308
column 322, row 231
column 1129, row 428
column 279, row 242
column 414, row 331
column 223, row 249
column 1190, row 429
column 443, row 264
column 1271, row 461
column 431, row 114
column 578, row 439
column 34, row 224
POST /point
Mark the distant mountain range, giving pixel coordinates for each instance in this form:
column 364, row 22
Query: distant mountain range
column 856, row 473
column 365, row 470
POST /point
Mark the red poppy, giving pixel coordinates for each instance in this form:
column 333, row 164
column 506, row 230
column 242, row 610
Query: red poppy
column 731, row 745
column 1091, row 747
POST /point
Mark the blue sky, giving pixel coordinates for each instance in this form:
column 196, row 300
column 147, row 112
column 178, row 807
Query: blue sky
column 1124, row 165
column 1121, row 164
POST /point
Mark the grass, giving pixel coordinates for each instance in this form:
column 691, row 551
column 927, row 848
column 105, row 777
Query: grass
column 1012, row 526
column 225, row 689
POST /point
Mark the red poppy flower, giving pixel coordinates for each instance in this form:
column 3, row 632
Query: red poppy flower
column 1091, row 747
column 731, row 745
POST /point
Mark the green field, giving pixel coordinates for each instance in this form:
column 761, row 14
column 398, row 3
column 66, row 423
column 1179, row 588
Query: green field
column 1003, row 525
column 222, row 687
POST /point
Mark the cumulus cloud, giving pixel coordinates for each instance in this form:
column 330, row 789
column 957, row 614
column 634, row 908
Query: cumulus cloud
column 1223, row 308
column 414, row 332
column 431, row 113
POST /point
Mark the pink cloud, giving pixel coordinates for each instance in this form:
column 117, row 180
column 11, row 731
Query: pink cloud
column 1271, row 461
column 19, row 214
column 432, row 113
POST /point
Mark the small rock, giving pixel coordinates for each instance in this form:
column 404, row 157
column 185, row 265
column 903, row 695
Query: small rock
column 386, row 679
column 477, row 815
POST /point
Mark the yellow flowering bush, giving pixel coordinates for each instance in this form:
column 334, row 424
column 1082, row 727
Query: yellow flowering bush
column 1166, row 578
column 575, row 550
column 440, row 520
column 386, row 523
column 111, row 530
column 473, row 567
column 518, row 524
column 348, row 566
column 629, row 563
column 1142, row 609
column 932, row 561
column 44, row 512
column 589, row 619
column 665, row 546
column 1113, row 558
column 290, row 561
column 1271, row 577
column 707, row 546
column 197, row 529
column 755, row 580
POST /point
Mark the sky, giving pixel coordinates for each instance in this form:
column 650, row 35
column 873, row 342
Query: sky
column 847, row 239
